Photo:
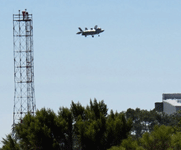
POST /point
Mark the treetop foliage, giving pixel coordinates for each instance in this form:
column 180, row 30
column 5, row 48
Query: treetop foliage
column 91, row 127
column 79, row 127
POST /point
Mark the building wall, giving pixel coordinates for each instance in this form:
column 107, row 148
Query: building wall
column 159, row 106
column 168, row 108
column 178, row 108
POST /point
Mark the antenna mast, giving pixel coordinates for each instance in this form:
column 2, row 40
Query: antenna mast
column 24, row 94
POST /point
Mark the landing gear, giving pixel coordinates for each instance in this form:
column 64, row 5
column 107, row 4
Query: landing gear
column 98, row 35
column 92, row 36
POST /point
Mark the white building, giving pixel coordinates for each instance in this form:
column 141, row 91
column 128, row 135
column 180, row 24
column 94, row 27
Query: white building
column 171, row 106
column 171, row 103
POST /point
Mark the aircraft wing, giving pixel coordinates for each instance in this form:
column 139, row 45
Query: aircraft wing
column 80, row 29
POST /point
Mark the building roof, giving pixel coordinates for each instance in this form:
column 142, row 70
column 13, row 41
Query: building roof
column 166, row 96
column 173, row 102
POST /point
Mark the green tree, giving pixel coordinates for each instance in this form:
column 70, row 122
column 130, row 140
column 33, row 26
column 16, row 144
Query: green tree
column 43, row 131
column 135, row 115
column 144, row 121
column 98, row 108
column 85, row 128
column 9, row 143
column 117, row 148
column 90, row 125
column 160, row 138
column 118, row 128
column 176, row 141
column 77, row 110
column 147, row 141
column 130, row 144
column 176, row 121
column 95, row 129
column 65, row 117
column 79, row 116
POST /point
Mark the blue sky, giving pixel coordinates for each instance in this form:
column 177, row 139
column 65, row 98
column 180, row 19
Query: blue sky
column 130, row 65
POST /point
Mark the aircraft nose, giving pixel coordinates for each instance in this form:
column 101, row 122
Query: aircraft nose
column 102, row 30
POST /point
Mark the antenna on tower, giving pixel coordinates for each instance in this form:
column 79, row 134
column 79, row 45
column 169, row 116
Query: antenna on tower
column 24, row 92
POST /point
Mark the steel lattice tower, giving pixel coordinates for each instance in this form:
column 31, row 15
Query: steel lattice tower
column 24, row 94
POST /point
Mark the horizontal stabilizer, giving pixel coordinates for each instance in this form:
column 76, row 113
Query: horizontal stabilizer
column 79, row 32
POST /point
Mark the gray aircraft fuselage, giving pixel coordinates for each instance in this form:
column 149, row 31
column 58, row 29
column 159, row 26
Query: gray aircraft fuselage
column 90, row 32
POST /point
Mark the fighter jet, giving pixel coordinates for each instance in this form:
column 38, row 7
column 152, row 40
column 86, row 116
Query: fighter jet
column 92, row 31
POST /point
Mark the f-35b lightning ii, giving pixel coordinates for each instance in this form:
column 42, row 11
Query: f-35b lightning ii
column 92, row 31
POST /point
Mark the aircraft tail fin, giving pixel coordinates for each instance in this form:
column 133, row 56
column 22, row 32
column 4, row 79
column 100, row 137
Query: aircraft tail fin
column 95, row 27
